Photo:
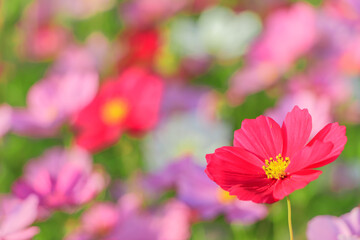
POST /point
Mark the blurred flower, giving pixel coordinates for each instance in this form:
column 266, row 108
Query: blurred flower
column 16, row 217
column 82, row 9
column 268, row 162
column 182, row 135
column 345, row 227
column 43, row 39
column 129, row 102
column 139, row 47
column 195, row 189
column 69, row 86
column 249, row 80
column 62, row 179
column 145, row 13
column 319, row 107
column 219, row 33
column 288, row 34
column 5, row 119
column 128, row 221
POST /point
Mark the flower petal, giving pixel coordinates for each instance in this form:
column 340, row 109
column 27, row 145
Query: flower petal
column 258, row 190
column 296, row 130
column 261, row 136
column 326, row 227
column 227, row 163
column 295, row 181
column 309, row 156
column 330, row 133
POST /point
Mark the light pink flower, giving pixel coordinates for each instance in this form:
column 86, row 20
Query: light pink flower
column 289, row 33
column 319, row 107
column 345, row 227
column 16, row 216
column 62, row 179
column 69, row 86
column 127, row 220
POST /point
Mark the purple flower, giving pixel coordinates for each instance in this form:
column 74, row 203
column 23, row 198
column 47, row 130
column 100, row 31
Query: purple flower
column 62, row 179
column 196, row 190
column 345, row 227
column 69, row 86
column 16, row 216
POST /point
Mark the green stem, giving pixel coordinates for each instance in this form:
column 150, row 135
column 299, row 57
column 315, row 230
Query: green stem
column 289, row 218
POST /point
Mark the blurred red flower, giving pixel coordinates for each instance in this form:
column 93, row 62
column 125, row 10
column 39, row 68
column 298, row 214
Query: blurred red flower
column 129, row 102
column 268, row 162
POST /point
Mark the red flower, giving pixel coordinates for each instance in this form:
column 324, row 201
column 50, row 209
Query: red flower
column 268, row 162
column 130, row 102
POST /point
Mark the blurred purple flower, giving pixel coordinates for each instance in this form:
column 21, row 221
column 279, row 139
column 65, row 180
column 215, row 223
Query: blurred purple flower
column 16, row 216
column 194, row 188
column 62, row 179
column 127, row 221
column 69, row 86
column 5, row 119
column 345, row 227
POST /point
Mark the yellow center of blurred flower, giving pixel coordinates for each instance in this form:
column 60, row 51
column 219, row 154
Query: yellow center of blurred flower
column 276, row 168
column 114, row 111
column 225, row 197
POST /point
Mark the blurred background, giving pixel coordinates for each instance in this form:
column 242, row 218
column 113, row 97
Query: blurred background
column 109, row 107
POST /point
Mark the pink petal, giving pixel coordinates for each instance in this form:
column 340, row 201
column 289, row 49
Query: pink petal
column 26, row 234
column 296, row 130
column 21, row 217
column 309, row 156
column 326, row 227
column 261, row 136
column 330, row 133
column 295, row 181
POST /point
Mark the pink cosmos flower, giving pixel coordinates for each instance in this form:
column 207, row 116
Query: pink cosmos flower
column 268, row 162
column 319, row 106
column 71, row 84
column 345, row 227
column 62, row 179
column 127, row 220
column 288, row 34
column 16, row 217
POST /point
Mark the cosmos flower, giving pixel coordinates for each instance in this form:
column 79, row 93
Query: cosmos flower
column 268, row 162
column 15, row 217
column 62, row 179
column 130, row 102
column 126, row 220
column 345, row 227
column 69, row 85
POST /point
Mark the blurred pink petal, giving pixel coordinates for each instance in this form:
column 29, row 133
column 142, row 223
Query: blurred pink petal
column 288, row 34
column 62, row 179
column 17, row 215
column 5, row 119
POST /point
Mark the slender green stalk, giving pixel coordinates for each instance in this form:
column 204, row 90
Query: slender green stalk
column 289, row 218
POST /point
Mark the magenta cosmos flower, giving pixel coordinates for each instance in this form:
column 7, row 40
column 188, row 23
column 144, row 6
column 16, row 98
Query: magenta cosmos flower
column 268, row 162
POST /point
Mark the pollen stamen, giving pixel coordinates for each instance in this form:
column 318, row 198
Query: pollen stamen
column 275, row 168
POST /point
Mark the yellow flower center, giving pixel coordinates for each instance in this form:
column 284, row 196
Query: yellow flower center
column 225, row 197
column 275, row 168
column 114, row 111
